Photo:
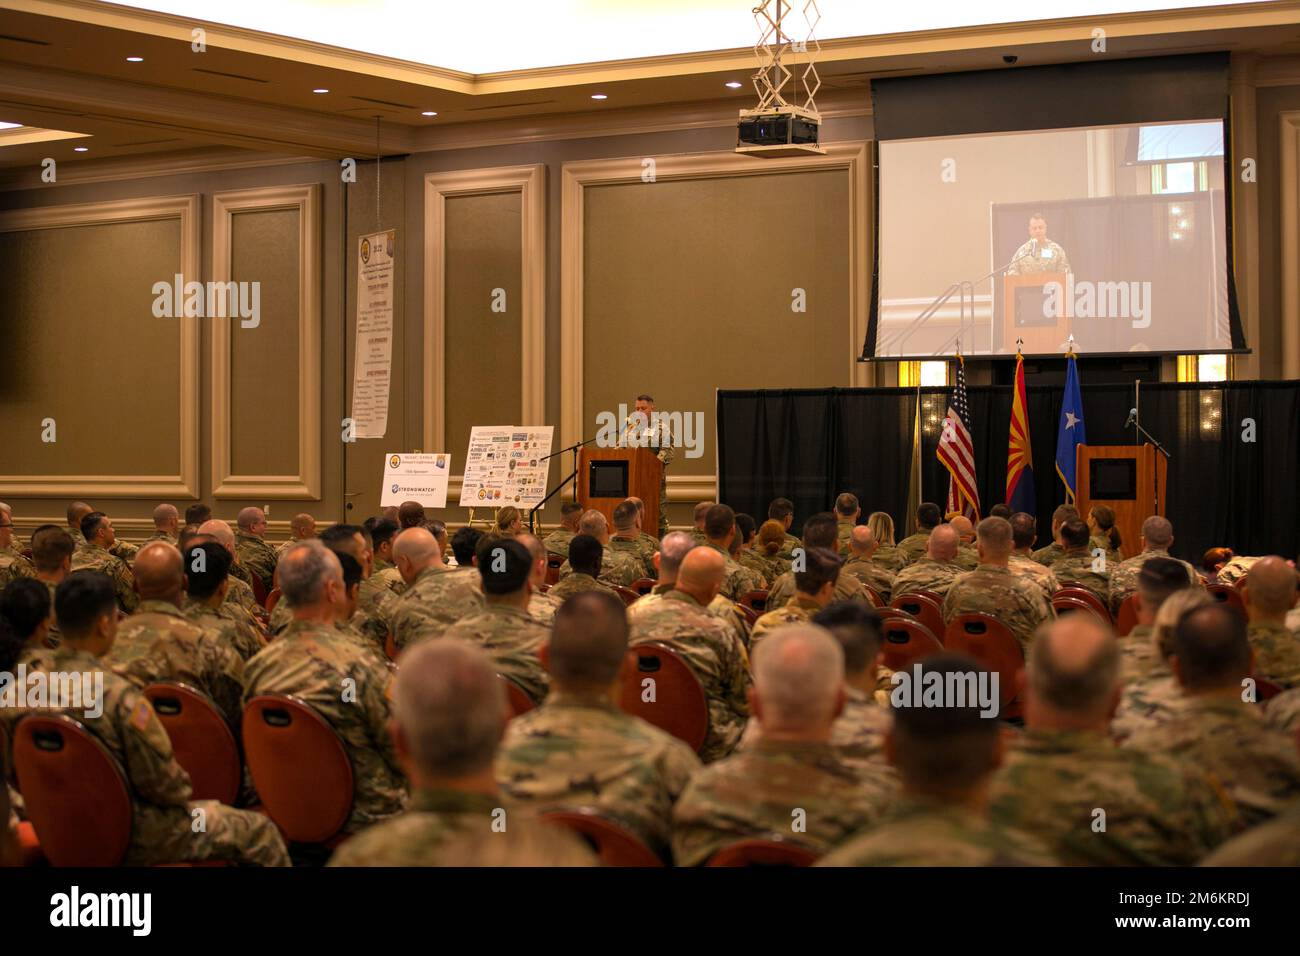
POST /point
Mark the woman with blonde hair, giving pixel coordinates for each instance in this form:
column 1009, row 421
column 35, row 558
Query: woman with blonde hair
column 887, row 554
column 508, row 523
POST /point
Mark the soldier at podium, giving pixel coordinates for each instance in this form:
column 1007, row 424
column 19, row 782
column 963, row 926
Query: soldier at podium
column 643, row 428
column 1039, row 254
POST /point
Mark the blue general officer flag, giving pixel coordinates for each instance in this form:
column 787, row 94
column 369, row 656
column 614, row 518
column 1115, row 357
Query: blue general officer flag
column 1069, row 433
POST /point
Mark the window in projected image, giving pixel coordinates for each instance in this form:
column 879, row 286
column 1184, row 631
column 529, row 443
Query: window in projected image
column 1114, row 235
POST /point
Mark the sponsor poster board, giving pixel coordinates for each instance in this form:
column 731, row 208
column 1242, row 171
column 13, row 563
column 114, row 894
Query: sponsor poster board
column 421, row 478
column 506, row 465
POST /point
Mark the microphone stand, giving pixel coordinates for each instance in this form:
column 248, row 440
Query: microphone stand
column 572, row 476
column 1155, row 476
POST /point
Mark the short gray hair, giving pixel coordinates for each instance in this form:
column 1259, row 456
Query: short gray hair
column 304, row 571
column 797, row 671
column 593, row 523
column 450, row 705
column 1063, row 676
column 672, row 550
column 1158, row 531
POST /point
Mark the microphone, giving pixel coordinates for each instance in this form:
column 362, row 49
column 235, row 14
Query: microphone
column 1132, row 417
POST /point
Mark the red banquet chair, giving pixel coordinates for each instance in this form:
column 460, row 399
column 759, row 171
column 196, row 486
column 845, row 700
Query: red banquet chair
column 679, row 705
column 1127, row 618
column 201, row 740
column 992, row 643
column 519, row 702
column 904, row 641
column 922, row 607
column 300, row 768
column 1083, row 594
column 1069, row 604
column 614, row 845
column 1229, row 596
column 755, row 600
column 763, row 853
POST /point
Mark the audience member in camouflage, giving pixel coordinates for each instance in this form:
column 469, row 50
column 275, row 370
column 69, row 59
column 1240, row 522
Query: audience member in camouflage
column 579, row 750
column 344, row 684
column 936, row 570
column 680, row 621
column 1077, row 567
column 1269, row 594
column 586, row 555
column 436, row 596
column 557, row 542
column 819, row 532
column 944, row 755
column 791, row 783
column 992, row 588
column 1154, row 811
column 629, row 540
column 1157, row 536
column 816, row 586
column 1276, row 843
column 858, row 734
column 207, row 565
column 97, row 529
column 449, row 707
column 862, row 548
column 251, row 547
column 164, row 819
column 1214, row 728
column 1283, row 711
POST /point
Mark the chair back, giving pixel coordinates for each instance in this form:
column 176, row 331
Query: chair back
column 643, row 586
column 299, row 766
column 273, row 599
column 520, row 703
column 627, row 594
column 614, row 845
column 75, row 791
column 201, row 740
column 763, row 853
column 922, row 607
column 993, row 644
column 1229, row 596
column 1127, row 618
column 1083, row 594
column 1068, row 604
column 904, row 641
column 751, row 614
column 553, row 564
column 755, row 600
column 876, row 599
column 673, row 700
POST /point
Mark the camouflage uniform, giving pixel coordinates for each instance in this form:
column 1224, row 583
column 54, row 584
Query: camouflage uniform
column 698, row 536
column 1276, row 843
column 914, row 546
column 513, row 639
column 436, row 599
column 768, row 568
column 1235, row 570
column 164, row 820
column 875, row 576
column 1049, row 555
column 737, row 580
column 788, row 544
column 799, row 610
column 53, row 636
column 1026, row 567
column 926, row 574
column 240, row 573
column 616, row 568
column 257, row 556
column 310, row 661
column 286, row 545
column 583, row 752
column 1138, row 654
column 1283, row 711
column 858, row 734
column 123, row 551
column 847, row 588
column 14, row 566
column 542, row 607
column 994, row 590
column 1101, row 542
column 240, row 594
column 1123, row 578
column 239, row 635
column 921, row 831
column 456, row 828
column 1256, row 764
column 844, row 533
column 1024, row 264
column 730, row 614
column 557, row 542
column 793, row 790
column 638, row 548
column 712, row 652
column 968, row 559
column 90, row 557
column 1158, row 812
column 157, row 643
column 1149, row 701
column 165, row 536
column 1277, row 652
column 890, row 558
column 576, row 583
column 1074, row 569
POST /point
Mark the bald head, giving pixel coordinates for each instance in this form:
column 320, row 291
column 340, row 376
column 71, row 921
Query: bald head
column 862, row 542
column 166, row 518
column 159, row 573
column 251, row 521
column 220, row 532
column 673, row 548
column 1157, row 532
column 701, row 573
column 536, row 554
column 1270, row 588
column 943, row 543
column 310, row 574
column 965, row 530
column 303, row 525
column 414, row 550
column 1073, row 674
column 76, row 511
column 798, row 681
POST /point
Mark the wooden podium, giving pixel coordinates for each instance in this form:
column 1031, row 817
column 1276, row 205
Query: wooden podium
column 606, row 476
column 1023, row 318
column 1129, row 479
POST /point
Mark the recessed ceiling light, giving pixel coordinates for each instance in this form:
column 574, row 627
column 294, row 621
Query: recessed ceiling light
column 733, row 84
column 599, row 96
column 135, row 59
column 429, row 113
column 320, row 89
column 81, row 149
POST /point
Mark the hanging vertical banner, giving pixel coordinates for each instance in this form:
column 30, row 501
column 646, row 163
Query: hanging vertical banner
column 374, row 355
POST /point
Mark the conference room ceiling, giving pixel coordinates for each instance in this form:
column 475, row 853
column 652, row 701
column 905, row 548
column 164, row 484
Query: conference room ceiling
column 63, row 66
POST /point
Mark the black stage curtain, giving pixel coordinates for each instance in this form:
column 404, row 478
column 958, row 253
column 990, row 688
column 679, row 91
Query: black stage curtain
column 809, row 445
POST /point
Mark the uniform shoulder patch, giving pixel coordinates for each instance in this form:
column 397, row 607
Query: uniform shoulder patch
column 142, row 716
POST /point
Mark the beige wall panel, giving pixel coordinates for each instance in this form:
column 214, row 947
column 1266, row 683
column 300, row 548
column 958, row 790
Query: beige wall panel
column 82, row 346
column 688, row 289
column 264, row 360
column 483, row 252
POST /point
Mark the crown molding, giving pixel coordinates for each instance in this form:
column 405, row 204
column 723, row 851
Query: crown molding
column 149, row 166
column 1277, row 71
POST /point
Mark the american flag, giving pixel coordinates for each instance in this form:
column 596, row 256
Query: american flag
column 957, row 452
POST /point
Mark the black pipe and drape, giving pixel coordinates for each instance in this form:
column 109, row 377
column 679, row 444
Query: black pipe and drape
column 809, row 445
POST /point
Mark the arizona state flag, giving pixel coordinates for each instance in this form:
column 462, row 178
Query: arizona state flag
column 1020, row 456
